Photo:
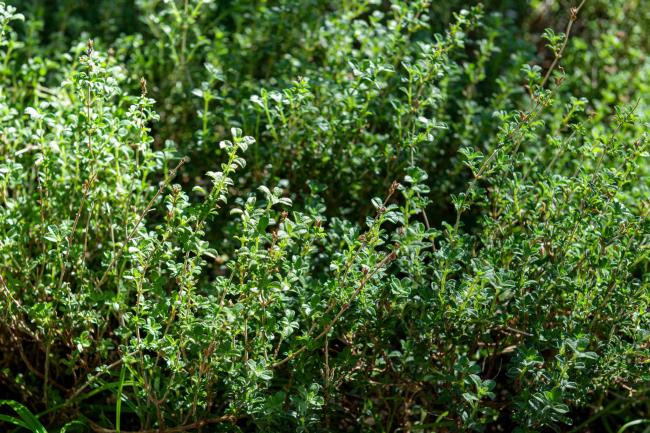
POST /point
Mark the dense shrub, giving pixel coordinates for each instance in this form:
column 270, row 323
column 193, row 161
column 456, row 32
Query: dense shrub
column 324, row 216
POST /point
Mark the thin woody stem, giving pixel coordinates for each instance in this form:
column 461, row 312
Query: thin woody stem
column 386, row 260
column 139, row 221
column 572, row 19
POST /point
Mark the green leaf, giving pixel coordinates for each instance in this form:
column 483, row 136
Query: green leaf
column 29, row 421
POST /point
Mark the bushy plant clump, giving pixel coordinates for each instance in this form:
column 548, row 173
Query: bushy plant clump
column 324, row 216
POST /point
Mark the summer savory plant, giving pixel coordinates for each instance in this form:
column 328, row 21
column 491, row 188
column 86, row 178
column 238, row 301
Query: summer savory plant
column 323, row 216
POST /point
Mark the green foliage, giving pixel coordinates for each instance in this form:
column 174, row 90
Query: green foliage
column 27, row 419
column 324, row 216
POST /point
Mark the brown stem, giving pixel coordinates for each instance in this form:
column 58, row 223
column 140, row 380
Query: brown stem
column 572, row 19
column 137, row 223
column 389, row 258
column 193, row 426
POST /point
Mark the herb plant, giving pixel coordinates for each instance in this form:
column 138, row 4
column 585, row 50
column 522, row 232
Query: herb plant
column 326, row 216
